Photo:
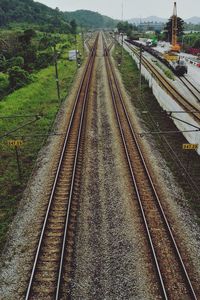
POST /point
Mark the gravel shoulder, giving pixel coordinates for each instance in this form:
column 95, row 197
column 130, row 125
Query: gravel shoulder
column 18, row 254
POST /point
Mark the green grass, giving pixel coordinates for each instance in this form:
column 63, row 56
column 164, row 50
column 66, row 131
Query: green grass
column 166, row 71
column 39, row 97
column 169, row 74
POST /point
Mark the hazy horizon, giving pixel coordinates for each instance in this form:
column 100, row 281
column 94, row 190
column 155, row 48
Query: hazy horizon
column 186, row 9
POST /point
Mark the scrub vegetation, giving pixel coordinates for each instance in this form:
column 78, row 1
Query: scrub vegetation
column 35, row 103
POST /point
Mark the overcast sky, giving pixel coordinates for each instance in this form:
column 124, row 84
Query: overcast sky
column 132, row 8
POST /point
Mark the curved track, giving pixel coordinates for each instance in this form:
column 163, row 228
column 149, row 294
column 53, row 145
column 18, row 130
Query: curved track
column 173, row 277
column 191, row 108
column 55, row 247
column 191, row 87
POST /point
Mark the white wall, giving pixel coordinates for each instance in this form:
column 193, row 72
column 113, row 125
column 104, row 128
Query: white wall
column 169, row 104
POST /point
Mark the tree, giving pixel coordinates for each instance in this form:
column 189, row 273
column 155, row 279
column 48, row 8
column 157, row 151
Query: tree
column 2, row 63
column 197, row 44
column 27, row 36
column 2, row 17
column 27, row 49
column 18, row 77
column 168, row 28
column 73, row 26
column 15, row 61
column 125, row 27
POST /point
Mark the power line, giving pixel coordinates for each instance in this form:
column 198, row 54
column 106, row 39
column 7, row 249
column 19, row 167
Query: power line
column 21, row 116
column 141, row 134
column 20, row 127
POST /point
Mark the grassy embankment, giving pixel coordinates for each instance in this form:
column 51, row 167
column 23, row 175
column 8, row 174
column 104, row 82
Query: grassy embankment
column 155, row 119
column 39, row 97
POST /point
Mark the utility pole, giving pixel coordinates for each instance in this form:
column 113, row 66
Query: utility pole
column 140, row 73
column 76, row 50
column 56, row 70
column 18, row 164
column 122, row 45
column 82, row 34
column 122, row 34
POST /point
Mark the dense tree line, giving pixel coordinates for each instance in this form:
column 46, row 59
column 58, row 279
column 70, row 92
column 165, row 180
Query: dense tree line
column 126, row 27
column 22, row 53
column 27, row 11
column 168, row 28
column 48, row 19
column 90, row 19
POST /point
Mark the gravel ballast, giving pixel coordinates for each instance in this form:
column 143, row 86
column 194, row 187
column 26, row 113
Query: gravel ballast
column 111, row 258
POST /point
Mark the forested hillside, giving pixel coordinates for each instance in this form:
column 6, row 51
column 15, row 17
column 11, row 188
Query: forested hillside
column 24, row 11
column 91, row 19
column 51, row 20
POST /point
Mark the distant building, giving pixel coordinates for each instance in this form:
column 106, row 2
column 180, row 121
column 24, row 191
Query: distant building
column 151, row 26
column 191, row 31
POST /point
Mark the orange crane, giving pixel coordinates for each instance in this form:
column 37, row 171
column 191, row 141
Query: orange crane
column 174, row 46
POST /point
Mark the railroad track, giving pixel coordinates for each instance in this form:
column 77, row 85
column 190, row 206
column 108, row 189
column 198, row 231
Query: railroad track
column 51, row 269
column 191, row 87
column 191, row 108
column 174, row 281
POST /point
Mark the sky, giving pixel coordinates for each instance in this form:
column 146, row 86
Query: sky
column 131, row 8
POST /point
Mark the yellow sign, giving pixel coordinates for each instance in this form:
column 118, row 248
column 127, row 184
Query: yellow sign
column 190, row 146
column 15, row 143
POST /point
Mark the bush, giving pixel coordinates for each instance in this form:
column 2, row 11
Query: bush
column 18, row 77
column 44, row 60
column 2, row 63
column 4, row 83
column 197, row 44
column 15, row 61
column 169, row 74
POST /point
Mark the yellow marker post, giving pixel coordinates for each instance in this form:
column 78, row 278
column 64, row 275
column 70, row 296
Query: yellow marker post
column 15, row 143
column 190, row 146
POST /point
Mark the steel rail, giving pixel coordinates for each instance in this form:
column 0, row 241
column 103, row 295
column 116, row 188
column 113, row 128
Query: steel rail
column 192, row 88
column 192, row 184
column 135, row 184
column 192, row 292
column 192, row 84
column 74, row 171
column 191, row 111
column 90, row 59
column 177, row 96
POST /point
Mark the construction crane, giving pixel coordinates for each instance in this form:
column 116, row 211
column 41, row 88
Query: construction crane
column 174, row 46
column 171, row 55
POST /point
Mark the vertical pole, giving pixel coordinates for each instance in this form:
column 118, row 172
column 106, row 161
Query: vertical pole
column 83, row 41
column 122, row 47
column 18, row 164
column 122, row 41
column 140, row 72
column 56, row 70
column 188, row 160
column 76, row 49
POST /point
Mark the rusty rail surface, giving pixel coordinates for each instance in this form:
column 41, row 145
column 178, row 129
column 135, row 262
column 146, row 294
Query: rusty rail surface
column 47, row 271
column 173, row 278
